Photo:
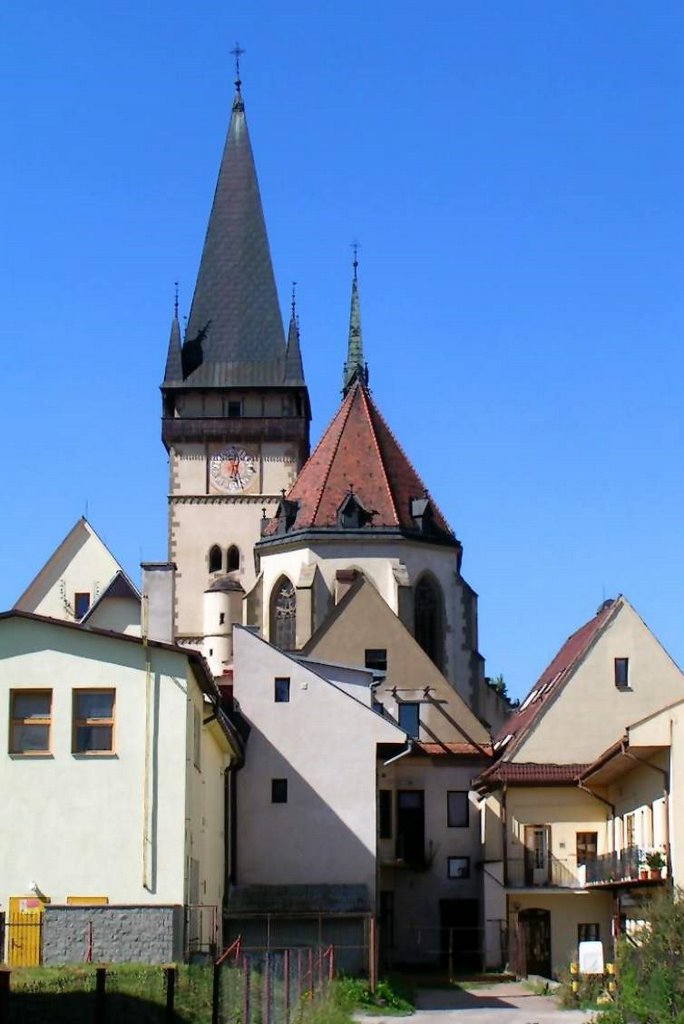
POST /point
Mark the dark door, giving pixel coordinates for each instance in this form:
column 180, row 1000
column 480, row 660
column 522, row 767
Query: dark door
column 411, row 826
column 459, row 922
column 536, row 941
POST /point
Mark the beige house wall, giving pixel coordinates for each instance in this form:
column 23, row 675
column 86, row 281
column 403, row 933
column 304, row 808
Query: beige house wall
column 324, row 743
column 417, row 893
column 567, row 910
column 590, row 713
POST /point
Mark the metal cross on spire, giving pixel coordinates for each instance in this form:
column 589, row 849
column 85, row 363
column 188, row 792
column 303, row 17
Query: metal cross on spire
column 355, row 264
column 294, row 298
column 237, row 52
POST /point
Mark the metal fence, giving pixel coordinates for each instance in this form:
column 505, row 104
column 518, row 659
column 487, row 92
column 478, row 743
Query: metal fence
column 268, row 986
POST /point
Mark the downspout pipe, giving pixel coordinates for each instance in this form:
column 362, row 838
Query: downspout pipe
column 402, row 753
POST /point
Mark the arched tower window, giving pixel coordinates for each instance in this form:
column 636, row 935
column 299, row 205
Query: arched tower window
column 232, row 558
column 215, row 559
column 284, row 615
column 429, row 621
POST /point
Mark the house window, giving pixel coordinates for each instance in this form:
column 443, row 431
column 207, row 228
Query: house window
column 385, row 813
column 197, row 737
column 458, row 867
column 409, row 719
column 282, row 690
column 284, row 615
column 376, row 658
column 232, row 558
column 587, row 847
column 234, row 409
column 81, row 604
column 215, row 559
column 278, row 791
column 622, row 673
column 588, row 933
column 30, row 717
column 458, row 808
column 222, row 618
column 93, row 722
column 428, row 619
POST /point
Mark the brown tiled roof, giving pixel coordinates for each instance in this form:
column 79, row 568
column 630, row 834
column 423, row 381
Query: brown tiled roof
column 530, row 773
column 554, row 675
column 457, row 749
column 359, row 454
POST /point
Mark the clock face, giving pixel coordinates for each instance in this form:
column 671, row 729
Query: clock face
column 233, row 470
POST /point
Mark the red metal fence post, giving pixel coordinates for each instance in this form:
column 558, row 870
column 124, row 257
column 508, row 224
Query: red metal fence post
column 311, row 974
column 286, row 984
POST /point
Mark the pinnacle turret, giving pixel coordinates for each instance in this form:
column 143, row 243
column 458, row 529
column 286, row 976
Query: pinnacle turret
column 354, row 368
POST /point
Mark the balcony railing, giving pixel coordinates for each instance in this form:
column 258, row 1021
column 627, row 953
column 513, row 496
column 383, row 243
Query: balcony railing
column 555, row 872
column 565, row 873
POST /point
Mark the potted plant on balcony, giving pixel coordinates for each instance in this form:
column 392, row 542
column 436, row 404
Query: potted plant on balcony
column 656, row 863
column 643, row 868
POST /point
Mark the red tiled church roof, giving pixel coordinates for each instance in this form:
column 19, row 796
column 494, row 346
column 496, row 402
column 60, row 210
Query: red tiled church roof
column 358, row 454
column 554, row 675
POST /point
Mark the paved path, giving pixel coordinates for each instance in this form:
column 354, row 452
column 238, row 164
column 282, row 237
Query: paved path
column 504, row 1003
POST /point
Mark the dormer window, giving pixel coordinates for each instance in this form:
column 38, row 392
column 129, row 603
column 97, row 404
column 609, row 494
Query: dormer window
column 286, row 514
column 352, row 515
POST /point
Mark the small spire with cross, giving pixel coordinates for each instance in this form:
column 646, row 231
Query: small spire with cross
column 175, row 300
column 355, row 264
column 237, row 52
column 294, row 299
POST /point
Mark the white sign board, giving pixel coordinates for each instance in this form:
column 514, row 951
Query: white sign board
column 591, row 957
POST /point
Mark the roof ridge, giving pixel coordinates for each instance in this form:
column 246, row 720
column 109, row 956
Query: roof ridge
column 367, row 407
column 343, row 417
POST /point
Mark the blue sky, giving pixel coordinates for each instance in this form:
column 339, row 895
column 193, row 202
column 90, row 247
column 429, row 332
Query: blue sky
column 513, row 172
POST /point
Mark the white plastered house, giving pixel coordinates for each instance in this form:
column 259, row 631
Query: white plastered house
column 114, row 763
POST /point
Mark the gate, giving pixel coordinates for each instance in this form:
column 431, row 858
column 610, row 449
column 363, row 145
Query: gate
column 24, row 931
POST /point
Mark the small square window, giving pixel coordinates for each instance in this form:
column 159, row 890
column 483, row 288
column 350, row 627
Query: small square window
column 409, row 719
column 30, row 719
column 278, row 791
column 458, row 867
column 234, row 409
column 81, row 604
column 622, row 673
column 93, row 722
column 282, row 690
column 458, row 808
column 376, row 658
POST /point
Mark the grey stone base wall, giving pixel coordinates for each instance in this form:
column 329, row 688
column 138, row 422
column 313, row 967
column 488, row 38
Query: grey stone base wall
column 120, row 934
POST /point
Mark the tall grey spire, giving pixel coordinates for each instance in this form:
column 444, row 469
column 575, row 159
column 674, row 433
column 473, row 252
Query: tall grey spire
column 235, row 331
column 294, row 369
column 354, row 368
column 174, row 371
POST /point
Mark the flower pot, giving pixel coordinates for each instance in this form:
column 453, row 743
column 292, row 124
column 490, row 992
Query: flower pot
column 656, row 873
column 643, row 874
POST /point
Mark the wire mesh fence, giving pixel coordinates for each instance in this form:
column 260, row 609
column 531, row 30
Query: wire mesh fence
column 268, row 986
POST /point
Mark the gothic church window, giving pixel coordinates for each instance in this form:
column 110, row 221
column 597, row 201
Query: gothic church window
column 284, row 615
column 428, row 619
column 215, row 559
column 233, row 558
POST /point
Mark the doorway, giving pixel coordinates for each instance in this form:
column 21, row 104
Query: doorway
column 537, row 854
column 534, row 926
column 459, row 929
column 411, row 826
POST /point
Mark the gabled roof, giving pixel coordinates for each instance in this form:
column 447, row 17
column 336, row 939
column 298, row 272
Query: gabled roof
column 235, row 330
column 359, row 457
column 552, row 679
column 119, row 586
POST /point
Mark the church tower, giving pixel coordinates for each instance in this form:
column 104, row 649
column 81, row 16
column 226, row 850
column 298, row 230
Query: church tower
column 236, row 413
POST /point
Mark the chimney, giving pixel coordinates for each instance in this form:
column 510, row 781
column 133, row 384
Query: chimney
column 158, row 594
